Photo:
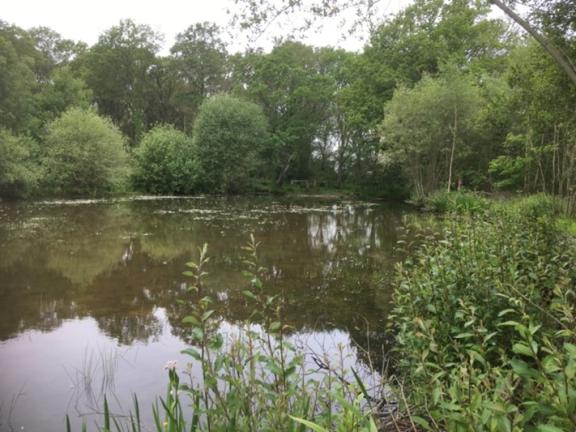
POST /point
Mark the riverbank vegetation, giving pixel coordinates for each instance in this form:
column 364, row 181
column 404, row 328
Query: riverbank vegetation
column 484, row 321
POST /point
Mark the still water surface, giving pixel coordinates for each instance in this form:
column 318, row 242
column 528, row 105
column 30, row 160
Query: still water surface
column 89, row 290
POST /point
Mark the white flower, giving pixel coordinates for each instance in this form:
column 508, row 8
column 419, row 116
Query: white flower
column 170, row 365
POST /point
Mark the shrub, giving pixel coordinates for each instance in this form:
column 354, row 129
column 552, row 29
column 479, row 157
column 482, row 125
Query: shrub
column 19, row 170
column 462, row 202
column 229, row 134
column 164, row 162
column 485, row 326
column 84, row 155
column 536, row 206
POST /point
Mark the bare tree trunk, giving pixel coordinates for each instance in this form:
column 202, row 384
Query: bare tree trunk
column 562, row 60
column 454, row 135
column 282, row 175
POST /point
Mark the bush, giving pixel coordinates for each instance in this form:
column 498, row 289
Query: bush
column 164, row 162
column 84, row 155
column 461, row 202
column 537, row 206
column 229, row 135
column 19, row 169
column 485, row 326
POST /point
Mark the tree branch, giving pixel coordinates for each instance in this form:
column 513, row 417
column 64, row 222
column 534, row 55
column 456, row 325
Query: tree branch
column 548, row 46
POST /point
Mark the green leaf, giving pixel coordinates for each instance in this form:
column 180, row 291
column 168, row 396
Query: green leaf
column 522, row 369
column 250, row 295
column 192, row 353
column 549, row 428
column 207, row 315
column 505, row 311
column 309, row 424
column 190, row 320
column 421, row 422
column 373, row 427
column 520, row 348
column 464, row 335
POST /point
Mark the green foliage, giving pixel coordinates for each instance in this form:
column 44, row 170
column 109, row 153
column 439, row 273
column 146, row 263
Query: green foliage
column 536, row 207
column 508, row 171
column 461, row 202
column 84, row 155
column 164, row 162
column 428, row 128
column 295, row 94
column 19, row 169
column 62, row 91
column 484, row 318
column 441, row 95
column 229, row 135
column 199, row 59
column 118, row 71
column 17, row 80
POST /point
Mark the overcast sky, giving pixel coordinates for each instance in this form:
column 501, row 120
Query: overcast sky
column 86, row 20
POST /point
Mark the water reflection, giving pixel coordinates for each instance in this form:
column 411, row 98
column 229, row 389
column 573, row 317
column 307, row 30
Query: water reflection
column 118, row 263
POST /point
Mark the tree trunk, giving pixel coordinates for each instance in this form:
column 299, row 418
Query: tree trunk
column 560, row 59
column 282, row 175
column 454, row 135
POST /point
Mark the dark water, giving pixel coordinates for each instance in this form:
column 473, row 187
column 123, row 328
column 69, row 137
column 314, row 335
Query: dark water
column 89, row 290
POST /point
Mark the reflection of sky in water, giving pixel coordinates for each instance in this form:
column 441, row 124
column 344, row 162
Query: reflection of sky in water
column 93, row 284
column 69, row 369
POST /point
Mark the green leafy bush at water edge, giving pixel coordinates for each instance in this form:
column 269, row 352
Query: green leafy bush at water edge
column 484, row 320
column 19, row 169
column 456, row 202
column 165, row 162
column 229, row 136
column 84, row 156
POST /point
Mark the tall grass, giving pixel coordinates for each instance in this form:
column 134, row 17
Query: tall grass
column 462, row 202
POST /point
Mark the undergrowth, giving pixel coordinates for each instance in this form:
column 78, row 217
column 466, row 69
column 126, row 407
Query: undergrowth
column 485, row 322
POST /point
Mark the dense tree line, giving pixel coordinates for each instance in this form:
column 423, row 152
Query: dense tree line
column 442, row 96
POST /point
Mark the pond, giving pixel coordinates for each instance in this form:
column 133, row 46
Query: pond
column 89, row 290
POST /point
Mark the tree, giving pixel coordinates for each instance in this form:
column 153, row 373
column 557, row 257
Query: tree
column 295, row 97
column 164, row 162
column 258, row 15
column 62, row 91
column 427, row 128
column 539, row 151
column 199, row 59
column 19, row 168
column 556, row 17
column 84, row 155
column 117, row 70
column 17, row 78
column 53, row 50
column 229, row 135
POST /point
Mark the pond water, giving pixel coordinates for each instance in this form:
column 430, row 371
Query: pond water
column 89, row 290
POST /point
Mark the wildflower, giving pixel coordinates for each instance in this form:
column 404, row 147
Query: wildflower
column 170, row 365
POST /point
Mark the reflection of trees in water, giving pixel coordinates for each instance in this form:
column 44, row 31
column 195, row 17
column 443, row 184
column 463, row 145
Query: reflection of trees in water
column 117, row 263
